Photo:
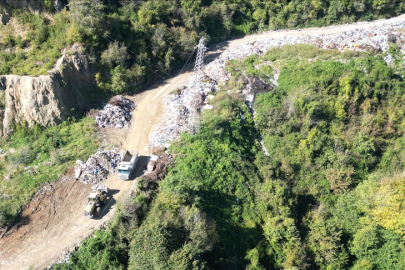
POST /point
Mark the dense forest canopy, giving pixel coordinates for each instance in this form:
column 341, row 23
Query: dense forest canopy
column 328, row 196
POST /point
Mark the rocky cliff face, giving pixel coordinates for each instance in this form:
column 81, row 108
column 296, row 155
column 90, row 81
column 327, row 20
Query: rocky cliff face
column 48, row 99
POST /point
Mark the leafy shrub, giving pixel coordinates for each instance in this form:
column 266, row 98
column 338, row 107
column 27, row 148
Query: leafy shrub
column 116, row 54
column 9, row 41
column 23, row 156
column 19, row 42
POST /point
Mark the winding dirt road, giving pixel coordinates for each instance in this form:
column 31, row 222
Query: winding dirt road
column 53, row 223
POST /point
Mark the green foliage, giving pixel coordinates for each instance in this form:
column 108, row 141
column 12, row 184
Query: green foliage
column 212, row 172
column 243, row 72
column 312, row 203
column 115, row 55
column 23, row 156
column 314, row 118
column 213, row 210
column 172, row 236
column 48, row 5
column 325, row 131
column 101, row 251
column 333, row 128
column 88, row 17
column 40, row 156
column 160, row 35
column 44, row 42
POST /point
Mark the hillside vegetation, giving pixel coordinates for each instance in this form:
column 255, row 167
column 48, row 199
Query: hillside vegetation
column 328, row 196
column 132, row 42
column 37, row 156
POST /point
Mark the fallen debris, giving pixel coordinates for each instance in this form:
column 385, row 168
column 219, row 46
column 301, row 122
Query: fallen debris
column 151, row 163
column 116, row 113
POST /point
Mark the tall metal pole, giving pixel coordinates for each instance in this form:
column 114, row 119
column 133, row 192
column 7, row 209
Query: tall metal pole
column 199, row 61
column 198, row 76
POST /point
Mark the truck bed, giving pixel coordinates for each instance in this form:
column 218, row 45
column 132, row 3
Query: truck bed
column 127, row 158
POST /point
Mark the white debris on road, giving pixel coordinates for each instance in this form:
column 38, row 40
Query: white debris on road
column 116, row 113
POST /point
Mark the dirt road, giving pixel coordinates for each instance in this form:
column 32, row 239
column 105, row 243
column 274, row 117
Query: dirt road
column 53, row 222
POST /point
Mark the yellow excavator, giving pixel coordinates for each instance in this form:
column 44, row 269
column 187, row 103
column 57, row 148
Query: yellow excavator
column 95, row 201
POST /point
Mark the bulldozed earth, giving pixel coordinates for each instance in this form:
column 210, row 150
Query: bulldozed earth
column 52, row 224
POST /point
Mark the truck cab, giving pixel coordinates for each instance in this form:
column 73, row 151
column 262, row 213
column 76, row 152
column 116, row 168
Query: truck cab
column 123, row 170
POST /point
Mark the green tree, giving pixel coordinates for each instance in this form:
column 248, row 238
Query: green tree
column 87, row 14
column 114, row 55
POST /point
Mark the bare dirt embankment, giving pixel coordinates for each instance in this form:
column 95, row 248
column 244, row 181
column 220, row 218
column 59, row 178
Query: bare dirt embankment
column 53, row 222
column 47, row 99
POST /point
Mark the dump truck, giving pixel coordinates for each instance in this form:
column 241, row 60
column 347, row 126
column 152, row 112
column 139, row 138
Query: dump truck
column 95, row 201
column 127, row 164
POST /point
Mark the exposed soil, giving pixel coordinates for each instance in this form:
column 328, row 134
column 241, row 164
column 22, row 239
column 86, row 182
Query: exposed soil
column 53, row 223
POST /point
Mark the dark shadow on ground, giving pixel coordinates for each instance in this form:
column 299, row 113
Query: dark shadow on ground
column 140, row 167
column 16, row 224
column 214, row 51
column 109, row 202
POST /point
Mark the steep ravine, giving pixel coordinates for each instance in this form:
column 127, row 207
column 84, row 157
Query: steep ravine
column 47, row 99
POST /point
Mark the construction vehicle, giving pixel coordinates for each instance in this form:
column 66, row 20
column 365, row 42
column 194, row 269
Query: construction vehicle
column 127, row 164
column 95, row 200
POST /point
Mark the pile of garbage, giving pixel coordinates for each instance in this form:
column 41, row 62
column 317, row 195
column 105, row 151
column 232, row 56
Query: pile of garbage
column 365, row 39
column 216, row 69
column 181, row 108
column 116, row 113
column 98, row 167
column 370, row 38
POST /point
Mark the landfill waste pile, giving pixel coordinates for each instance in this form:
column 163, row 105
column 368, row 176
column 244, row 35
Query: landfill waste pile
column 98, row 167
column 180, row 108
column 372, row 38
column 116, row 113
column 216, row 69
